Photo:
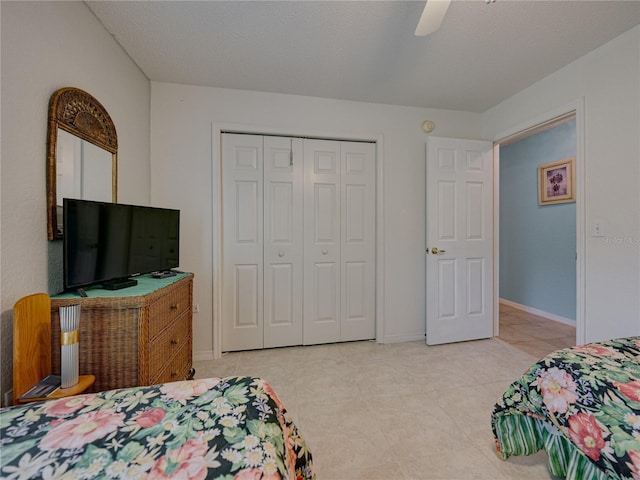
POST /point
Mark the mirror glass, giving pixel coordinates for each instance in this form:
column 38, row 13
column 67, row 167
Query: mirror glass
column 82, row 154
column 83, row 170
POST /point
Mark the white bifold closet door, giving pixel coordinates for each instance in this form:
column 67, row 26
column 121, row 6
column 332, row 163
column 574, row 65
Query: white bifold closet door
column 298, row 242
column 262, row 241
column 339, row 241
column 282, row 207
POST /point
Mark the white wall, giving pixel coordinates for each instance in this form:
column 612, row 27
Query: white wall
column 608, row 79
column 181, row 177
column 46, row 46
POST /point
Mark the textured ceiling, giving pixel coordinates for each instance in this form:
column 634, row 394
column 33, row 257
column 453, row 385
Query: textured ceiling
column 364, row 50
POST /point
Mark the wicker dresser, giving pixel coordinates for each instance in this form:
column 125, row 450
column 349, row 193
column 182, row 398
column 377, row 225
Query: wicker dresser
column 140, row 335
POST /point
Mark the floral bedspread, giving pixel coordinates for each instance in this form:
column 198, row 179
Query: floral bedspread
column 223, row 428
column 581, row 405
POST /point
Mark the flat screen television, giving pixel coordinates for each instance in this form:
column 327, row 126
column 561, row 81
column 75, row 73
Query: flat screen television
column 106, row 243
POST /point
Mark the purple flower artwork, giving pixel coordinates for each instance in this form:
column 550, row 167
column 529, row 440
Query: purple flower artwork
column 557, row 182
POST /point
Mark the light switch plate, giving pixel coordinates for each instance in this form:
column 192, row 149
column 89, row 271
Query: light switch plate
column 597, row 228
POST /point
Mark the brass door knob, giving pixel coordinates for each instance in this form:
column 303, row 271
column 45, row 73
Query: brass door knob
column 436, row 250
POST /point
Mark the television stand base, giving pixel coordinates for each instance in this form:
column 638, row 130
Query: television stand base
column 163, row 274
column 118, row 283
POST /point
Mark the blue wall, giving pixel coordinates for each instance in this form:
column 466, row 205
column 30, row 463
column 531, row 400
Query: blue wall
column 537, row 243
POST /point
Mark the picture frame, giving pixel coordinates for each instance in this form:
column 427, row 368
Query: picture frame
column 556, row 182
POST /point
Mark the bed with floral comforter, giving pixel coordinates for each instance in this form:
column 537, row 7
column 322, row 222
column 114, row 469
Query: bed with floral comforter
column 223, row 428
column 582, row 406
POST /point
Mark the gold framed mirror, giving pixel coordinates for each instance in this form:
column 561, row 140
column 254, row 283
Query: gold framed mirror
column 82, row 149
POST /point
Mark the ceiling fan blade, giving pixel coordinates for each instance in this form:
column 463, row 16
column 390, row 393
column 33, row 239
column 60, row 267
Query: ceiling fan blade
column 432, row 16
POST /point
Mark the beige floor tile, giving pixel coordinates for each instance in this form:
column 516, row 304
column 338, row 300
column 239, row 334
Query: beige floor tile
column 338, row 454
column 351, row 416
column 223, row 367
column 542, row 332
column 514, row 334
column 404, row 410
column 512, row 319
column 491, row 368
column 386, row 471
column 532, row 334
column 459, row 464
column 562, row 342
column 471, row 407
column 411, row 436
column 536, row 348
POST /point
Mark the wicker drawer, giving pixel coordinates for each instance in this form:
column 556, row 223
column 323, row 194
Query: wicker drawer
column 133, row 339
column 167, row 308
column 177, row 368
column 170, row 340
column 109, row 345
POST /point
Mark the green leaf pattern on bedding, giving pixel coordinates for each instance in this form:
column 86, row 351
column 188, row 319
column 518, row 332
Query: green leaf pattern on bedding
column 580, row 404
column 233, row 428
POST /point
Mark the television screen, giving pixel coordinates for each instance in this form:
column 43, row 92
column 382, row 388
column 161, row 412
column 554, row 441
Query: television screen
column 108, row 241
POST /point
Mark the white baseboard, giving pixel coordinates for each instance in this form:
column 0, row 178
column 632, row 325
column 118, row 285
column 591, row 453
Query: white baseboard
column 203, row 355
column 206, row 355
column 540, row 313
column 404, row 337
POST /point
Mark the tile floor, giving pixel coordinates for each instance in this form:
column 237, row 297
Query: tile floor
column 532, row 334
column 399, row 411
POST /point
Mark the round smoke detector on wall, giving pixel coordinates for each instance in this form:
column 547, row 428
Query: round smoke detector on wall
column 428, row 126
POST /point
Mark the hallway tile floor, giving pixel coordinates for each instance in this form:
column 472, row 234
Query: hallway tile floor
column 533, row 334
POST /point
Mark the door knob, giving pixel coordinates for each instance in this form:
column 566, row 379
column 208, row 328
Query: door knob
column 281, row 254
column 324, row 252
column 436, row 250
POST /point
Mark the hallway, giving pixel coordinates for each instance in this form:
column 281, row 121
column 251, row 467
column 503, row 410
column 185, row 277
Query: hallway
column 532, row 334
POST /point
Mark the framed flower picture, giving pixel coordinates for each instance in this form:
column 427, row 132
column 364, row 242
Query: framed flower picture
column 556, row 182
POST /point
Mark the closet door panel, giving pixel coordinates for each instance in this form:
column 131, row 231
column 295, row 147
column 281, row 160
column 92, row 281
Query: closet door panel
column 357, row 244
column 321, row 241
column 325, row 226
column 283, row 241
column 298, row 241
column 246, row 311
column 279, row 304
column 355, row 276
column 242, row 242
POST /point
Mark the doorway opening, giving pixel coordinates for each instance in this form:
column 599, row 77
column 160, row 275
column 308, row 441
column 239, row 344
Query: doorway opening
column 538, row 247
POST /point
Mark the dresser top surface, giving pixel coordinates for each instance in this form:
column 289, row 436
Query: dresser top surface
column 147, row 284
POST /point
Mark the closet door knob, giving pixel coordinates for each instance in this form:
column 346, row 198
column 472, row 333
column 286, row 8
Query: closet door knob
column 324, row 252
column 281, row 254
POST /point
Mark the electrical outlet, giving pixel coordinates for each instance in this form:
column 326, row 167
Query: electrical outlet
column 8, row 398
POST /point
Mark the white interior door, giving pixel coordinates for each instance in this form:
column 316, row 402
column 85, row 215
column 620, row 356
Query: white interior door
column 242, row 242
column 358, row 249
column 459, row 258
column 321, row 241
column 283, row 169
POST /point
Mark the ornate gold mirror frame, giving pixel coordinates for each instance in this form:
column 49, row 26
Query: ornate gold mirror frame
column 80, row 114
